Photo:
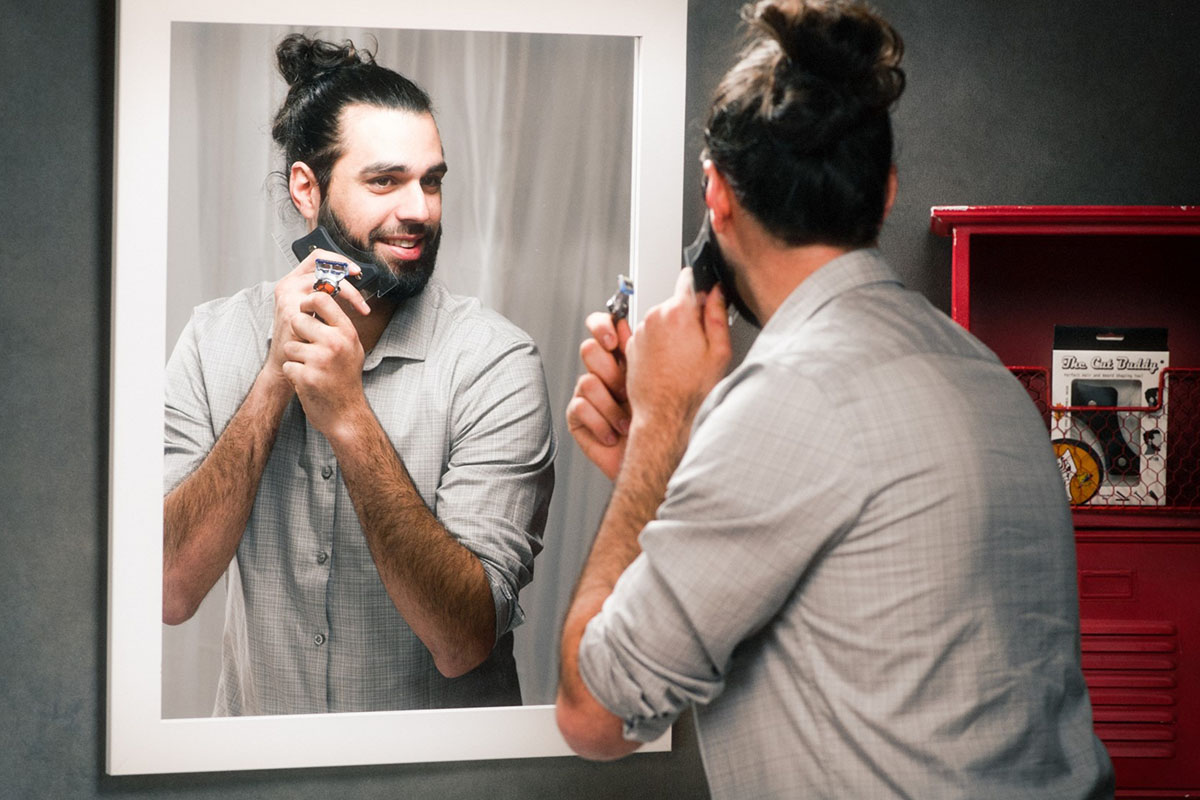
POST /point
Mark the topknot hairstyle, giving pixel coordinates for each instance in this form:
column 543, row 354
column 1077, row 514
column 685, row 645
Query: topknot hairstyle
column 323, row 78
column 800, row 126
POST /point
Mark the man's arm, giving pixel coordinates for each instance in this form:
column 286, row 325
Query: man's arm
column 435, row 583
column 205, row 515
column 652, row 453
column 674, row 360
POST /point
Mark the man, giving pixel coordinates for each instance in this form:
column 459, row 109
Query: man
column 852, row 556
column 372, row 474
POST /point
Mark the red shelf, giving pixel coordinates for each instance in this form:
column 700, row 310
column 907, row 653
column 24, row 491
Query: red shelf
column 944, row 219
column 1019, row 270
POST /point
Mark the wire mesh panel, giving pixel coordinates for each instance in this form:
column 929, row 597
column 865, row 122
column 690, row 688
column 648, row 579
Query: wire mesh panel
column 1181, row 405
column 1127, row 456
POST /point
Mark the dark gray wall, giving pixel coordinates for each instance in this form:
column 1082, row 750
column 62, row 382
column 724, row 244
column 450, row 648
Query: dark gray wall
column 1009, row 102
column 1022, row 102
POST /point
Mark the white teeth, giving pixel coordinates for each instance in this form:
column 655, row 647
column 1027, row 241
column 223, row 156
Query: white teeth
column 406, row 245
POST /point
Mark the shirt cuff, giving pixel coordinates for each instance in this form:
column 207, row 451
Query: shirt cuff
column 508, row 611
column 612, row 685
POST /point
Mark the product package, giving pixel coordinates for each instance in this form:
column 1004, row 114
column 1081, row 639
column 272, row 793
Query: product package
column 1109, row 456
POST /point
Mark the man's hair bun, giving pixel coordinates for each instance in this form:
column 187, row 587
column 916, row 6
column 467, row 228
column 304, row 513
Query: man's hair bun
column 301, row 59
column 840, row 44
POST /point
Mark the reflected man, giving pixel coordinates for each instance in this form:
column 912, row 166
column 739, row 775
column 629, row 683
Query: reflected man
column 371, row 473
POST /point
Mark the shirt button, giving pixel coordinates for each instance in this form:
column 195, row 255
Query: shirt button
column 319, row 639
column 322, row 558
column 326, row 472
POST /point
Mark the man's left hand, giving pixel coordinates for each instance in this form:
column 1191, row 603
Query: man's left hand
column 324, row 363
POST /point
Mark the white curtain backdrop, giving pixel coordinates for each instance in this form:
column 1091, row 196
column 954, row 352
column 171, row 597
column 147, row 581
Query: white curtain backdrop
column 537, row 131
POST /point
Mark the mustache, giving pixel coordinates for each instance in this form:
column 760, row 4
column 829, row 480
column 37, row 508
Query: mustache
column 403, row 229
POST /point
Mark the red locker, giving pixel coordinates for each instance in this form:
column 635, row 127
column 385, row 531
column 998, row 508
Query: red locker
column 1017, row 271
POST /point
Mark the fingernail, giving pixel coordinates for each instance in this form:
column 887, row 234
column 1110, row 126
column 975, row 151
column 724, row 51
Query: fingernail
column 623, row 426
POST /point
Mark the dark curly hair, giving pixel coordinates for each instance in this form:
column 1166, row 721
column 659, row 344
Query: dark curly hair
column 800, row 126
column 323, row 78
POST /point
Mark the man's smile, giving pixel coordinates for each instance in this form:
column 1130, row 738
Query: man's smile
column 405, row 247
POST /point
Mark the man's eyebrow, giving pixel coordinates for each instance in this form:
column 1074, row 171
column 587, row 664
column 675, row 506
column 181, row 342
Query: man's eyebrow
column 383, row 167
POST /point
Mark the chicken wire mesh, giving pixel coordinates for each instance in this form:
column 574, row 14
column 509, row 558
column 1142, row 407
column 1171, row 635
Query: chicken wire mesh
column 1127, row 456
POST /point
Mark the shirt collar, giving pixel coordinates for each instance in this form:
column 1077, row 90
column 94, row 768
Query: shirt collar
column 410, row 331
column 847, row 272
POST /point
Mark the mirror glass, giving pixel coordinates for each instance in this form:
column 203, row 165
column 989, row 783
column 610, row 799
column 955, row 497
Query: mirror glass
column 563, row 132
column 536, row 209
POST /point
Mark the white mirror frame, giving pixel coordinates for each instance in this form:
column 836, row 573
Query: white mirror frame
column 139, row 740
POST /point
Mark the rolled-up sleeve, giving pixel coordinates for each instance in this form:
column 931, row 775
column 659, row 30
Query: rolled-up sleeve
column 723, row 554
column 210, row 370
column 494, row 496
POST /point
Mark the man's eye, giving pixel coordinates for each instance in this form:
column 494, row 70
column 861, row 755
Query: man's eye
column 382, row 181
column 432, row 181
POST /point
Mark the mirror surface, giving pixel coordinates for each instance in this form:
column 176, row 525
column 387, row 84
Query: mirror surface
column 537, row 132
column 493, row 230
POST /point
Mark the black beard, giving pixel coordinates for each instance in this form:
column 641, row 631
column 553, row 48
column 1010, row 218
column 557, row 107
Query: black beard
column 709, row 266
column 734, row 297
column 411, row 277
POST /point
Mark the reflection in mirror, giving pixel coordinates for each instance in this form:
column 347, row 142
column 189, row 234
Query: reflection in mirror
column 542, row 278
column 537, row 133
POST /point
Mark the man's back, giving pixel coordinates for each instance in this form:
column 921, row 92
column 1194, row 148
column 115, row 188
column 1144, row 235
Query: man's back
column 872, row 561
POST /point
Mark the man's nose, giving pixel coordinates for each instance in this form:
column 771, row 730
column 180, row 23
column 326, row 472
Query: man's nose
column 412, row 203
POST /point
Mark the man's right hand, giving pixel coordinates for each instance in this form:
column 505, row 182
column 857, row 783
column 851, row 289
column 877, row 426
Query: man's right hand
column 290, row 292
column 598, row 415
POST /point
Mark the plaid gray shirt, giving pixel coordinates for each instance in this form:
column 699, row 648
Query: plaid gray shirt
column 309, row 626
column 863, row 573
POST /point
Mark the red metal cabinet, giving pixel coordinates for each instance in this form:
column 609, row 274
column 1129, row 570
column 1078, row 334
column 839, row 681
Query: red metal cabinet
column 1016, row 272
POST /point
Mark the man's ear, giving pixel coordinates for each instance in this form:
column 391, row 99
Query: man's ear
column 304, row 191
column 889, row 199
column 718, row 196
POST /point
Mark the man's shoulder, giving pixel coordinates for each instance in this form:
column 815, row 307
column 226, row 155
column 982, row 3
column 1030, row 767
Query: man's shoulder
column 249, row 304
column 464, row 322
column 862, row 351
column 866, row 328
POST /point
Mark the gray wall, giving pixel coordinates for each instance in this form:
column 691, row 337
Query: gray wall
column 1009, row 102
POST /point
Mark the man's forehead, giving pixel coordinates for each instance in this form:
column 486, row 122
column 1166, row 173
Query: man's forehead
column 377, row 135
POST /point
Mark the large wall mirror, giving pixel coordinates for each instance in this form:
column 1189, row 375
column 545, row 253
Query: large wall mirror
column 562, row 126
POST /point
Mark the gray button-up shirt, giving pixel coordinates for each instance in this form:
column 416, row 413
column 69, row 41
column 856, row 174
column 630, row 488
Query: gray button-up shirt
column 863, row 573
column 309, row 626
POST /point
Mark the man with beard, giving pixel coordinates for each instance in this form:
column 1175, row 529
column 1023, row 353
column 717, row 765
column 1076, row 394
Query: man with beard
column 370, row 473
column 852, row 555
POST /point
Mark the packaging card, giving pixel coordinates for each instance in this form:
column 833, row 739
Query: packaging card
column 1110, row 457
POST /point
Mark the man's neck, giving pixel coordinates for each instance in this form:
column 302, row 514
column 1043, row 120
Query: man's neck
column 779, row 270
column 771, row 269
column 371, row 327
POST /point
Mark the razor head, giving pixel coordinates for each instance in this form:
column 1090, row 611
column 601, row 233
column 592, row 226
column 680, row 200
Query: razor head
column 618, row 304
column 330, row 275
